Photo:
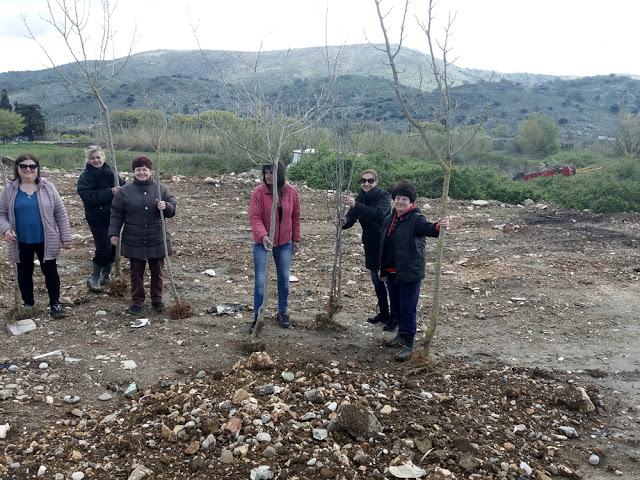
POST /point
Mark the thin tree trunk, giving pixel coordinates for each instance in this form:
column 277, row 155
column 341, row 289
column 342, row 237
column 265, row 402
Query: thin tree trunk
column 335, row 298
column 112, row 157
column 435, row 306
column 336, row 277
column 174, row 291
column 335, row 301
column 267, row 267
column 444, row 156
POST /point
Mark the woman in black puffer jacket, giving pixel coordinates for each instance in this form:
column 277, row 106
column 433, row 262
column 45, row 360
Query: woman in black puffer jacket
column 137, row 207
column 403, row 260
column 370, row 207
column 96, row 189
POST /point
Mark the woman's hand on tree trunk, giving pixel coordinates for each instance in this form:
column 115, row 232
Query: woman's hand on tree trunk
column 268, row 244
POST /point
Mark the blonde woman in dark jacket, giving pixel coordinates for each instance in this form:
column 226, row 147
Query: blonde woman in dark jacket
column 33, row 220
column 137, row 207
column 96, row 187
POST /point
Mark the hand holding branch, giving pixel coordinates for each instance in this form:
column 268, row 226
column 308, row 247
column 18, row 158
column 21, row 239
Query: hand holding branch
column 268, row 244
column 382, row 275
column 349, row 201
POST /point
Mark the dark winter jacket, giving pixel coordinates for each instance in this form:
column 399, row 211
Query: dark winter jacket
column 94, row 187
column 135, row 206
column 403, row 243
column 370, row 210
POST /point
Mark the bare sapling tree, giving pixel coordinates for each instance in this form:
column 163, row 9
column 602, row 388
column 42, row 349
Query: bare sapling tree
column 274, row 121
column 334, row 304
column 85, row 35
column 443, row 112
column 339, row 181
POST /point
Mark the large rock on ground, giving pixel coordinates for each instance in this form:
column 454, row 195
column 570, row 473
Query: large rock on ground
column 356, row 420
column 140, row 473
column 260, row 361
column 575, row 398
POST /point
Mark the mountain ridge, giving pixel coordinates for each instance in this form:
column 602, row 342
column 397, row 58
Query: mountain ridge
column 183, row 81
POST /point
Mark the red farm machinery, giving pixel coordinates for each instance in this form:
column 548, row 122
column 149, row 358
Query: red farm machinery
column 565, row 171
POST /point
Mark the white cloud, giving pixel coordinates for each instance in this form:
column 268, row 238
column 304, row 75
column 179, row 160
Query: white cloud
column 559, row 37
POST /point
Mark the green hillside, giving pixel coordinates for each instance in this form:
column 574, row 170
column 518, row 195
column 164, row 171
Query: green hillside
column 186, row 82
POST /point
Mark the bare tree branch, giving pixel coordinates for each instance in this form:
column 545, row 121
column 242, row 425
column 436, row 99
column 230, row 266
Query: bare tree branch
column 73, row 21
column 445, row 155
column 276, row 120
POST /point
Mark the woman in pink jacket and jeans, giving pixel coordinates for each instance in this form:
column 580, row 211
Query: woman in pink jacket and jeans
column 286, row 239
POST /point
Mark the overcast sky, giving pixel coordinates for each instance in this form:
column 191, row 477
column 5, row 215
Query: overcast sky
column 556, row 37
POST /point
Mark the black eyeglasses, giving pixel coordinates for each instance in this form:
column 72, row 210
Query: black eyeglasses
column 367, row 180
column 28, row 166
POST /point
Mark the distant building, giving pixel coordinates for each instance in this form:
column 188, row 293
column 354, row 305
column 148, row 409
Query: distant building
column 297, row 154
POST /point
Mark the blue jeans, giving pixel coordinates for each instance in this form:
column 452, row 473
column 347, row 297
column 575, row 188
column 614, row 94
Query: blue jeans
column 380, row 288
column 282, row 259
column 404, row 303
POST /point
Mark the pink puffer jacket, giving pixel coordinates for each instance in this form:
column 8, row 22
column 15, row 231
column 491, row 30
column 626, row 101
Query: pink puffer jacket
column 287, row 228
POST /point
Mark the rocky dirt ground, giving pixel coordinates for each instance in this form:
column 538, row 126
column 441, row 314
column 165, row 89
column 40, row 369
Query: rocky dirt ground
column 536, row 371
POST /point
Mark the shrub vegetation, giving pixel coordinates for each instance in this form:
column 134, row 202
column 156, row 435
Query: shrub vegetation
column 613, row 188
column 479, row 172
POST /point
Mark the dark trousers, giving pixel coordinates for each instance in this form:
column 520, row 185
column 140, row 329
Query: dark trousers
column 105, row 252
column 404, row 304
column 380, row 288
column 156, row 267
column 25, row 273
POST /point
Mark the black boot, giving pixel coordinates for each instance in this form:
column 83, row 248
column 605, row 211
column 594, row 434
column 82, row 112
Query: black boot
column 383, row 316
column 396, row 341
column 405, row 353
column 390, row 325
